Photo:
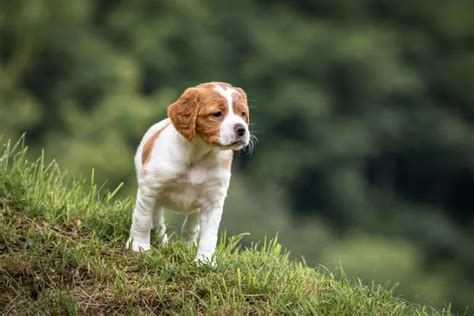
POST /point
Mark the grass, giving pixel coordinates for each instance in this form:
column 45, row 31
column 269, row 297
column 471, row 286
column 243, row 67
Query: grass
column 62, row 251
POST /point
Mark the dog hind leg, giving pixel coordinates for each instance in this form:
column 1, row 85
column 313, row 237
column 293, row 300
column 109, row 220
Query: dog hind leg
column 159, row 223
column 190, row 228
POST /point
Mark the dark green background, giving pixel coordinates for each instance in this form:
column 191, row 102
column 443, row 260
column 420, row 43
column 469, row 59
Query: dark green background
column 364, row 111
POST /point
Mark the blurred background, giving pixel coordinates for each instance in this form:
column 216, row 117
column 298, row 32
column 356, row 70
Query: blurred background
column 364, row 111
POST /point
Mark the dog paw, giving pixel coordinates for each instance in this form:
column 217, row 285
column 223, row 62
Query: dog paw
column 190, row 242
column 205, row 261
column 164, row 239
column 136, row 245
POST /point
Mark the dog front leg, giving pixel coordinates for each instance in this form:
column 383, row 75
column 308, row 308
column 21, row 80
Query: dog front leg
column 209, row 219
column 142, row 220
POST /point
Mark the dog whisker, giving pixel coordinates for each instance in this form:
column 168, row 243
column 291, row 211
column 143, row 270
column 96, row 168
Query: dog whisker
column 252, row 142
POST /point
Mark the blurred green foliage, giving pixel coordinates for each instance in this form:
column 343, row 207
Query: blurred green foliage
column 364, row 111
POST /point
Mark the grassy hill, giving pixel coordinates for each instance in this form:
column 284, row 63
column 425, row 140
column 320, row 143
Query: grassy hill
column 62, row 251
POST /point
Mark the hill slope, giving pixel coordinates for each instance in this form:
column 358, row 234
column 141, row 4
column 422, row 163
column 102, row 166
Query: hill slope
column 62, row 250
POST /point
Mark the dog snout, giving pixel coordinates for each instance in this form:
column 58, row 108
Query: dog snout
column 240, row 129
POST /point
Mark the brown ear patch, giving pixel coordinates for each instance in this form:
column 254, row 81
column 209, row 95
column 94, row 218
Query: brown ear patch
column 239, row 102
column 183, row 112
column 146, row 152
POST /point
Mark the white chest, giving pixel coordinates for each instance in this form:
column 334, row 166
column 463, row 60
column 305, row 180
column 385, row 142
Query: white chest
column 196, row 176
column 192, row 189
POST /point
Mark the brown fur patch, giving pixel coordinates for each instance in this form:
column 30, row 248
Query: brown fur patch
column 239, row 104
column 207, row 125
column 212, row 85
column 146, row 152
column 182, row 113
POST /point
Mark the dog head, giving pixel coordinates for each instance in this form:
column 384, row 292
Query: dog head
column 216, row 112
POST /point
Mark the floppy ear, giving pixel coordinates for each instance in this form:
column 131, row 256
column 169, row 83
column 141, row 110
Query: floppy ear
column 244, row 99
column 183, row 113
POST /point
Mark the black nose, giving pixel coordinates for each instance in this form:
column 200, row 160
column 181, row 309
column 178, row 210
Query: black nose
column 239, row 129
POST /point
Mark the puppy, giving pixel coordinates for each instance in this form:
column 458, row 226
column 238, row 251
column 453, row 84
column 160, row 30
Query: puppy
column 184, row 163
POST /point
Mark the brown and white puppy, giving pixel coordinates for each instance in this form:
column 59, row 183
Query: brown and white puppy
column 184, row 163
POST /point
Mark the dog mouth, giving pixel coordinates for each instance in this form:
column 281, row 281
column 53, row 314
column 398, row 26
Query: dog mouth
column 236, row 145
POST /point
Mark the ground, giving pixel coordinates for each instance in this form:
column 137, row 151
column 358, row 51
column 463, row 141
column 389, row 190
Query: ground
column 62, row 251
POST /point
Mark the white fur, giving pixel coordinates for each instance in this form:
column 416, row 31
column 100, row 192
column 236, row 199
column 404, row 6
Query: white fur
column 190, row 177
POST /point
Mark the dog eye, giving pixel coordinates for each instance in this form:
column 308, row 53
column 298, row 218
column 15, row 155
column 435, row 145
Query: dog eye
column 244, row 115
column 217, row 114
